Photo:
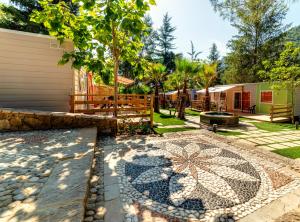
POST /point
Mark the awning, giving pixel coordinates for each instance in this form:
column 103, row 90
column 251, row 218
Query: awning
column 171, row 93
column 217, row 89
column 125, row 81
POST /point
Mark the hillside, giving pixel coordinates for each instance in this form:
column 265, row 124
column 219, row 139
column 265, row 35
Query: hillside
column 294, row 35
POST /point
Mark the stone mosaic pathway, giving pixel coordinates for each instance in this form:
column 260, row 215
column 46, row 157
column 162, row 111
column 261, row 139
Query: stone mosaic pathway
column 269, row 140
column 188, row 176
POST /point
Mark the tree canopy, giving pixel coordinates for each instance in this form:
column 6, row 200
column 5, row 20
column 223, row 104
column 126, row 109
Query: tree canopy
column 285, row 71
column 260, row 33
column 17, row 15
column 165, row 44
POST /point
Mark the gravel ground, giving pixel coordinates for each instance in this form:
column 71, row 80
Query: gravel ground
column 95, row 210
column 26, row 162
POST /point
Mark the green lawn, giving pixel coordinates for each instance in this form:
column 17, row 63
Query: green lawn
column 245, row 119
column 191, row 112
column 229, row 133
column 171, row 130
column 292, row 153
column 188, row 111
column 167, row 120
column 274, row 127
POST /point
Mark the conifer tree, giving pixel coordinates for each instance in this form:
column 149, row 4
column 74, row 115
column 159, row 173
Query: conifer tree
column 16, row 15
column 166, row 43
column 260, row 35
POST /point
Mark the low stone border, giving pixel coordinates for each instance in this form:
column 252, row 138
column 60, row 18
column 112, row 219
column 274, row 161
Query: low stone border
column 23, row 120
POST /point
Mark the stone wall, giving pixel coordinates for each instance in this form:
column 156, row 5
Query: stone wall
column 23, row 120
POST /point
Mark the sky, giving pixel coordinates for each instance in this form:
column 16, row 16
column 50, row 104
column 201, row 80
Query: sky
column 196, row 21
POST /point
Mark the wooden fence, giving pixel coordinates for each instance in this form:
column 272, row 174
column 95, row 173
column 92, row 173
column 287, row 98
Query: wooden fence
column 128, row 105
column 199, row 105
column 281, row 111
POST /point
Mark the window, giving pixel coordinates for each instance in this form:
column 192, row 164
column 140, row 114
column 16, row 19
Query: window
column 266, row 97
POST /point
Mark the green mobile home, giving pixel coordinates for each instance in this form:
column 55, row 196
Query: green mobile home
column 267, row 96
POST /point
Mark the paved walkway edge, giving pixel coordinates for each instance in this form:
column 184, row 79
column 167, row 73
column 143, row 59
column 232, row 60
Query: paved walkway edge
column 276, row 209
column 64, row 195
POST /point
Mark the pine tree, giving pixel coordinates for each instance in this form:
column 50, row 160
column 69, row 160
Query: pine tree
column 214, row 58
column 149, row 40
column 16, row 16
column 166, row 43
column 214, row 55
column 260, row 35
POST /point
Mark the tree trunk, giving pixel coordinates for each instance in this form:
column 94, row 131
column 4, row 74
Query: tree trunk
column 164, row 105
column 116, row 71
column 207, row 101
column 181, row 112
column 116, row 58
column 156, row 99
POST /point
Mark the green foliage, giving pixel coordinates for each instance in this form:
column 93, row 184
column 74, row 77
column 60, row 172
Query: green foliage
column 186, row 71
column 284, row 72
column 194, row 54
column 104, row 32
column 207, row 75
column 139, row 88
column 214, row 55
column 149, row 40
column 260, row 35
column 156, row 75
column 128, row 127
column 293, row 35
column 165, row 43
column 16, row 16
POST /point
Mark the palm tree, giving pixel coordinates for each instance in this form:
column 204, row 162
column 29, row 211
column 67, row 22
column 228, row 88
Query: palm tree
column 194, row 54
column 157, row 75
column 174, row 81
column 208, row 75
column 186, row 71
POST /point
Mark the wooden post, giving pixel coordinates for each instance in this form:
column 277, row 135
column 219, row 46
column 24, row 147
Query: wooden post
column 72, row 103
column 151, row 111
column 145, row 104
column 271, row 114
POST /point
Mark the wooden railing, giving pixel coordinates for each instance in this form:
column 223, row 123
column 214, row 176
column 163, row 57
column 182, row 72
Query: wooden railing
column 197, row 105
column 281, row 111
column 128, row 105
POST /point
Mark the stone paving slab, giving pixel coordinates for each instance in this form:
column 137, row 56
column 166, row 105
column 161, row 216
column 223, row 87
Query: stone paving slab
column 191, row 176
column 63, row 157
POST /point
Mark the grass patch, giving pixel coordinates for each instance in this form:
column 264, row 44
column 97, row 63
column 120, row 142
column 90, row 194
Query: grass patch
column 167, row 120
column 188, row 112
column 191, row 112
column 274, row 127
column 229, row 133
column 292, row 153
column 172, row 130
column 245, row 119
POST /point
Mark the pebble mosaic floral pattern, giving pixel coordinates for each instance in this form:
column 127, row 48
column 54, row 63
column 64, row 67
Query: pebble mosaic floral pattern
column 197, row 179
